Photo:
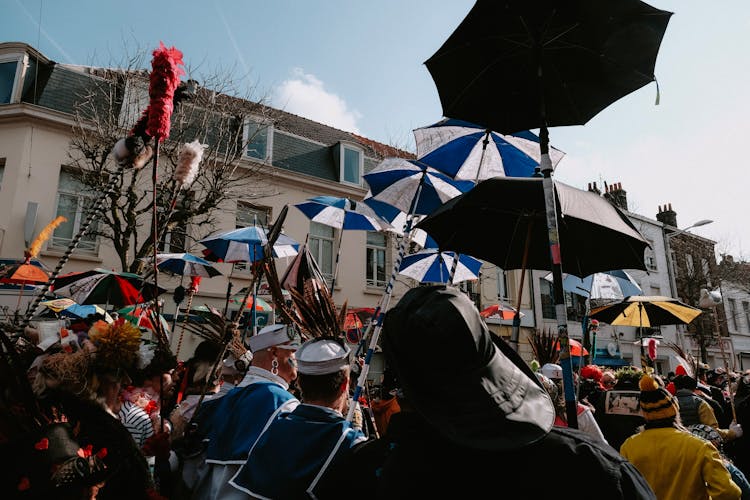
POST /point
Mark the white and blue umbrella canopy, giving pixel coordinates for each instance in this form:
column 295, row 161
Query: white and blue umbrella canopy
column 185, row 264
column 341, row 213
column 432, row 266
column 397, row 182
column 457, row 148
column 239, row 245
column 616, row 285
column 285, row 246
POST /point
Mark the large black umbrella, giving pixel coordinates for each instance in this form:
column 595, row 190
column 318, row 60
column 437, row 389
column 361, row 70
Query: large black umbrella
column 514, row 65
column 503, row 221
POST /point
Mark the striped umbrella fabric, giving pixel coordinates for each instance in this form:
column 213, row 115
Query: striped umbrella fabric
column 646, row 311
column 239, row 245
column 431, row 266
column 341, row 213
column 102, row 286
column 412, row 186
column 185, row 264
column 463, row 150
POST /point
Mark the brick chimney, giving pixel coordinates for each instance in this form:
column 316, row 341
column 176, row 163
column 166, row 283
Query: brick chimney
column 667, row 216
column 594, row 188
column 616, row 195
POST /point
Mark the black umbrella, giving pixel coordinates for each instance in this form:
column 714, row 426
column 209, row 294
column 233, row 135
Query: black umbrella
column 503, row 221
column 521, row 64
column 515, row 65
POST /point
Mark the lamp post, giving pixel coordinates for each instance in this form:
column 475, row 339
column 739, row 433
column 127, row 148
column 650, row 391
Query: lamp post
column 671, row 274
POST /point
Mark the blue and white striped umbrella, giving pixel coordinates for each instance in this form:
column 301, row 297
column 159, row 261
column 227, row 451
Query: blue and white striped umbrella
column 412, row 186
column 458, row 149
column 239, row 245
column 616, row 284
column 341, row 213
column 185, row 264
column 432, row 266
column 285, row 246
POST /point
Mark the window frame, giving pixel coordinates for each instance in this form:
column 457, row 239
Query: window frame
column 316, row 248
column 85, row 246
column 371, row 265
column 20, row 60
column 246, row 139
column 649, row 257
column 343, row 148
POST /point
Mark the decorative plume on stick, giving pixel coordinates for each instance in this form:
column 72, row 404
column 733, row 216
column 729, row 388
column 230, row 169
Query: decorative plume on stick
column 44, row 235
column 188, row 161
column 165, row 77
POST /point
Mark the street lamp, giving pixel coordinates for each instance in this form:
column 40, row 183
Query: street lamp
column 670, row 265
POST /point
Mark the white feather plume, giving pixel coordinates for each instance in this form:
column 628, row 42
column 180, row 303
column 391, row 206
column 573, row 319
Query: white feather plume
column 190, row 157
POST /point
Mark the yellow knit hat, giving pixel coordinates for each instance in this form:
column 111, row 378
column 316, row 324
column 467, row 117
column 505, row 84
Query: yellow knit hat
column 656, row 402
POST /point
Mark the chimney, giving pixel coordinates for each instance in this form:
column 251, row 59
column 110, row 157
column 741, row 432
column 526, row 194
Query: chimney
column 616, row 195
column 666, row 215
column 594, row 188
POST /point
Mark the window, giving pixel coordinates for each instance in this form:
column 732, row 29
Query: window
column 706, row 271
column 2, row 171
column 173, row 241
column 650, row 257
column 259, row 139
column 746, row 309
column 689, row 265
column 321, row 247
column 732, row 316
column 548, row 301
column 376, row 251
column 248, row 215
column 502, row 284
column 351, row 171
column 8, row 70
column 74, row 203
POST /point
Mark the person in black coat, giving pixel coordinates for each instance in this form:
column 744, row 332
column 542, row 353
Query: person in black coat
column 480, row 423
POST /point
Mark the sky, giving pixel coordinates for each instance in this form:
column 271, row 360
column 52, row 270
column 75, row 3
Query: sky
column 359, row 66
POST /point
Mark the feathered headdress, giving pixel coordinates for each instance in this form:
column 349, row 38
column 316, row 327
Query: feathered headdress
column 314, row 311
column 43, row 236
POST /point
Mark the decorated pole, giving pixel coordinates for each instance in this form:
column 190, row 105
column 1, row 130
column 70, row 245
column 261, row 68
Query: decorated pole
column 376, row 323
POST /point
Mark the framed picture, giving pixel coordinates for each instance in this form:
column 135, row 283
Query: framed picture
column 622, row 403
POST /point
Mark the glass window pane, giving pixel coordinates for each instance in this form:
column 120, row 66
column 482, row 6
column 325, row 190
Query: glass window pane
column 7, row 77
column 257, row 136
column 351, row 165
column 318, row 229
column 67, row 206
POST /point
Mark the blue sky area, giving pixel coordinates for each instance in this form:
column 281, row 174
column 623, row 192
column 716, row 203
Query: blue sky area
column 358, row 66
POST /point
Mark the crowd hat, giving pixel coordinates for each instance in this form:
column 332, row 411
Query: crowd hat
column 552, row 370
column 321, row 356
column 496, row 402
column 656, row 402
column 278, row 335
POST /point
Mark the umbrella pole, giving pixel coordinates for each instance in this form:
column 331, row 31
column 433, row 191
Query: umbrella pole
column 376, row 324
column 515, row 332
column 555, row 254
column 336, row 265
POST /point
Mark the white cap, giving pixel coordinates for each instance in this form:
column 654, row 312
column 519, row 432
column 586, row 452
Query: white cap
column 321, row 357
column 551, row 370
column 270, row 336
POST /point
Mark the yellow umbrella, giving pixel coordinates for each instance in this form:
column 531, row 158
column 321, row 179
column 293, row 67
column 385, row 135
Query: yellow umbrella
column 646, row 311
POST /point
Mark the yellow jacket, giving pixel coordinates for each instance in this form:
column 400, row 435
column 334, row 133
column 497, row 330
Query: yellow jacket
column 679, row 465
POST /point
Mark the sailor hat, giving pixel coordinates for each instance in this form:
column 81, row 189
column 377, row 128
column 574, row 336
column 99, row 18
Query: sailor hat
column 272, row 336
column 322, row 356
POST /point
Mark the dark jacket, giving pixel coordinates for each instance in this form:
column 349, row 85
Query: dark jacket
column 414, row 461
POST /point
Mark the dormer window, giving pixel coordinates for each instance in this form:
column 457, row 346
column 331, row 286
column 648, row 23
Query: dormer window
column 351, row 160
column 258, row 137
column 10, row 73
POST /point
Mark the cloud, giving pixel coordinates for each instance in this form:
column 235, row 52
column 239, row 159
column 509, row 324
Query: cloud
column 303, row 94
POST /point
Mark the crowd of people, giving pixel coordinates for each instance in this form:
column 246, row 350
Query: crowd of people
column 113, row 416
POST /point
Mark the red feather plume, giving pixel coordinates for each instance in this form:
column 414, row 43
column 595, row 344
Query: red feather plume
column 165, row 77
